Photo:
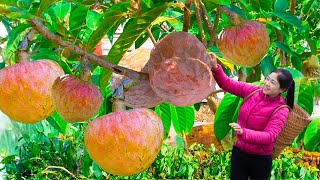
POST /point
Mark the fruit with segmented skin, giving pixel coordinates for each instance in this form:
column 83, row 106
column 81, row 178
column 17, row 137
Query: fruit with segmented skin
column 25, row 90
column 244, row 44
column 124, row 142
column 75, row 100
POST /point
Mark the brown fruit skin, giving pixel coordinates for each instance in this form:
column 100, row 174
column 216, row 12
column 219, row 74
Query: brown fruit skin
column 75, row 100
column 124, row 142
column 244, row 44
column 141, row 95
column 25, row 90
column 179, row 70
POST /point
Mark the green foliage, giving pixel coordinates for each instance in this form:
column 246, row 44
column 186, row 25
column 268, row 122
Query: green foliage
column 312, row 135
column 224, row 115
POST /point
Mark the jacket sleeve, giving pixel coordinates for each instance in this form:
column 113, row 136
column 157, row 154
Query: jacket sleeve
column 271, row 131
column 241, row 89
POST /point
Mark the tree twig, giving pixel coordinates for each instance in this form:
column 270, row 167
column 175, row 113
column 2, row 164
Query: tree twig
column 151, row 36
column 186, row 16
column 217, row 91
column 234, row 18
column 215, row 26
column 198, row 15
column 293, row 4
column 38, row 26
column 59, row 167
column 208, row 22
column 283, row 60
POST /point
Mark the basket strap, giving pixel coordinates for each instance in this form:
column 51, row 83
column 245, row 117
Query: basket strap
column 282, row 106
column 251, row 94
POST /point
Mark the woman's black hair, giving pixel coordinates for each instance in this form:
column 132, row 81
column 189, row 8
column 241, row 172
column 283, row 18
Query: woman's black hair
column 286, row 82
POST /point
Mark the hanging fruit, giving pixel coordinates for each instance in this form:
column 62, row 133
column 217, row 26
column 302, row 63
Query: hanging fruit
column 75, row 100
column 245, row 42
column 25, row 90
column 179, row 69
column 124, row 142
column 141, row 95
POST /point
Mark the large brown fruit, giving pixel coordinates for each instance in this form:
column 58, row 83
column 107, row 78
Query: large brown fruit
column 125, row 142
column 244, row 44
column 25, row 90
column 75, row 100
column 141, row 95
column 179, row 70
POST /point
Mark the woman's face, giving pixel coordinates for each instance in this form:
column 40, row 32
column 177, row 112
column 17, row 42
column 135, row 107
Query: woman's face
column 272, row 86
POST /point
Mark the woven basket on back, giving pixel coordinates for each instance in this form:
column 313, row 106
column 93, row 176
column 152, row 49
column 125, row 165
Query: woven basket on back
column 297, row 120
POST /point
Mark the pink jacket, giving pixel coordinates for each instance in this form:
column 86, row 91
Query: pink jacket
column 260, row 130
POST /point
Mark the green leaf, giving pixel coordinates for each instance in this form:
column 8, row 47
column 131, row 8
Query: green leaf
column 9, row 2
column 312, row 135
column 164, row 112
column 77, row 19
column 304, row 94
column 221, row 2
column 290, row 19
column 267, row 65
column 262, row 4
column 295, row 73
column 224, row 115
column 93, row 20
column 51, row 19
column 62, row 9
column 14, row 38
column 296, row 60
column 307, row 5
column 44, row 4
column 57, row 122
column 109, row 19
column 131, row 32
column 14, row 12
column 277, row 26
column 2, row 65
column 280, row 5
column 185, row 119
column 44, row 53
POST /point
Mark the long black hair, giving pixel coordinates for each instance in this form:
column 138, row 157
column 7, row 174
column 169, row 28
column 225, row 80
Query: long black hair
column 286, row 81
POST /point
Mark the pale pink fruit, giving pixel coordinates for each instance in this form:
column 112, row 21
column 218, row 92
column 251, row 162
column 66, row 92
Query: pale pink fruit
column 141, row 95
column 25, row 90
column 179, row 70
column 75, row 100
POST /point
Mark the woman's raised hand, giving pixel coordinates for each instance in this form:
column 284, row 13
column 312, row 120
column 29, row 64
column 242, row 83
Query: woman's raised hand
column 213, row 60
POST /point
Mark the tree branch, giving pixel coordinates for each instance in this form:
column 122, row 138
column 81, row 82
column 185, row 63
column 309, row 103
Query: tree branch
column 283, row 60
column 215, row 26
column 186, row 16
column 293, row 4
column 151, row 36
column 208, row 22
column 198, row 15
column 38, row 26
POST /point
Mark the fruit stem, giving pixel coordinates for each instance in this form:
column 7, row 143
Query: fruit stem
column 38, row 26
column 118, row 96
column 85, row 74
column 22, row 52
column 186, row 16
column 235, row 19
column 185, row 142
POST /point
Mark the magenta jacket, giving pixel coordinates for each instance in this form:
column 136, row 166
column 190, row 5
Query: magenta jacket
column 260, row 130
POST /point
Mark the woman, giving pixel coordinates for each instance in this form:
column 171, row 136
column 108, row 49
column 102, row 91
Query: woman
column 256, row 130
